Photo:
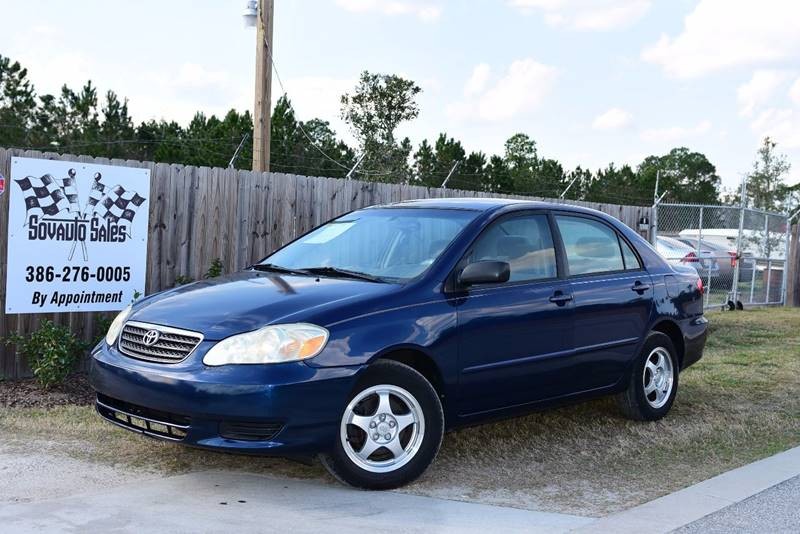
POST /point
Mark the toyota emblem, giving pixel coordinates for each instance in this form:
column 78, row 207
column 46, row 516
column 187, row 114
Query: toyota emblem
column 151, row 338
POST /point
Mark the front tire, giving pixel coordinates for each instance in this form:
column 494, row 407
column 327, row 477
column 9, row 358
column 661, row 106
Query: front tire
column 653, row 382
column 390, row 431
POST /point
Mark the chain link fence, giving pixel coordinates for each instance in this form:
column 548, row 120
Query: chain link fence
column 740, row 253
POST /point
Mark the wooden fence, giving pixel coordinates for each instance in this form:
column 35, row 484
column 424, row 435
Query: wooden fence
column 198, row 214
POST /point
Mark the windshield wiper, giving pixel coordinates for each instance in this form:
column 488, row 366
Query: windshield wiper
column 344, row 273
column 271, row 267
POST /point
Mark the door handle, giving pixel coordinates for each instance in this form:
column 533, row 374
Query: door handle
column 560, row 299
column 640, row 287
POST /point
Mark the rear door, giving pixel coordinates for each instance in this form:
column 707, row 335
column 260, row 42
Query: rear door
column 612, row 298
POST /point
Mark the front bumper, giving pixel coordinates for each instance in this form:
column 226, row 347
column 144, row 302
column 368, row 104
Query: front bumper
column 229, row 407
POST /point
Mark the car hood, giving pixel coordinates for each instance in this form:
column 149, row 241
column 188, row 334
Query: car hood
column 248, row 300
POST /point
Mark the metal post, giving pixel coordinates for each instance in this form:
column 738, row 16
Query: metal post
column 768, row 250
column 655, row 192
column 742, row 204
column 654, row 227
column 564, row 193
column 238, row 150
column 353, row 170
column 449, row 174
column 784, row 289
column 699, row 257
column 654, row 224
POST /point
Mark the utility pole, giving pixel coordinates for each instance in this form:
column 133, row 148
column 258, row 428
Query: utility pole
column 263, row 97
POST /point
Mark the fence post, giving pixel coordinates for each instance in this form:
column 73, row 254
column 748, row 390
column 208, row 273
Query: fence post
column 768, row 250
column 654, row 225
column 742, row 204
column 786, row 263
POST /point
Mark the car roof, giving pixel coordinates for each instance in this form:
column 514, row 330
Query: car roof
column 483, row 204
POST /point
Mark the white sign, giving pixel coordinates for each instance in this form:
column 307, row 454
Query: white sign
column 77, row 236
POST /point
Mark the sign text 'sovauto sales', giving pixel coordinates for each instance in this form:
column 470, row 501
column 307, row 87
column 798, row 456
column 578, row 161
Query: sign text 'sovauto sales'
column 77, row 236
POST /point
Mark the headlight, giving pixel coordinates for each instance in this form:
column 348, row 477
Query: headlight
column 271, row 344
column 116, row 325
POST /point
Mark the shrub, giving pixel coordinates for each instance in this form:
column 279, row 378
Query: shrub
column 101, row 325
column 52, row 352
column 182, row 280
column 215, row 269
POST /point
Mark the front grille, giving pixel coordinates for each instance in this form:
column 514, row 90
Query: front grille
column 246, row 431
column 172, row 346
column 140, row 419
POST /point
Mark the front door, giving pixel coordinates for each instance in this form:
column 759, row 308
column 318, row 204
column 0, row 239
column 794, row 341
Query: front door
column 514, row 337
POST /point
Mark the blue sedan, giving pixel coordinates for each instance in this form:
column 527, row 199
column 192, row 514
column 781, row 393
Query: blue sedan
column 364, row 340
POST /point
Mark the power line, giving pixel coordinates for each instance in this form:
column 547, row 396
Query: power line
column 299, row 123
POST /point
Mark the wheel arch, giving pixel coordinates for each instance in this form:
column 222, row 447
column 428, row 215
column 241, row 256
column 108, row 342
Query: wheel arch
column 419, row 360
column 674, row 332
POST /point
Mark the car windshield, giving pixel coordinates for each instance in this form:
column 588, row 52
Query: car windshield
column 385, row 244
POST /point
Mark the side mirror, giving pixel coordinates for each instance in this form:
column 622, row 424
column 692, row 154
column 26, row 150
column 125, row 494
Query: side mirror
column 485, row 272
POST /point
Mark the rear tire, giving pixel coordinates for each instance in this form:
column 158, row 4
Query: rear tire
column 653, row 382
column 390, row 431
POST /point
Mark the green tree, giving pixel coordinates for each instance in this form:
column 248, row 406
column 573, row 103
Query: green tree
column 765, row 182
column 17, row 104
column 374, row 110
column 433, row 164
column 685, row 176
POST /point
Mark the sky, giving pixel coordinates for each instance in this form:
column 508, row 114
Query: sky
column 592, row 81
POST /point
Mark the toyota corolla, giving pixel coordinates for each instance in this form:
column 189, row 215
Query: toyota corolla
column 366, row 339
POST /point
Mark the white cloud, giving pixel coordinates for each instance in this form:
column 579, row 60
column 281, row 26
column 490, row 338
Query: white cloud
column 597, row 15
column 521, row 90
column 721, row 34
column 477, row 82
column 194, row 75
column 613, row 119
column 317, row 96
column 759, row 90
column 423, row 11
column 794, row 92
column 781, row 124
column 675, row 134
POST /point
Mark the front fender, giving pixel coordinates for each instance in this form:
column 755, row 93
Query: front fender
column 428, row 327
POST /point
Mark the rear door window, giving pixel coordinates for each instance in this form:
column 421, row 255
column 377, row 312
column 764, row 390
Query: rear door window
column 590, row 246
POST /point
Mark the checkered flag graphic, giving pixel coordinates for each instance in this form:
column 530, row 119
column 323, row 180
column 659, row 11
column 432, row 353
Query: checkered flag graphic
column 43, row 196
column 119, row 204
column 96, row 194
column 70, row 189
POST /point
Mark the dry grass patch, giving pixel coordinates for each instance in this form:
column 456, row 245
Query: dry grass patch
column 735, row 406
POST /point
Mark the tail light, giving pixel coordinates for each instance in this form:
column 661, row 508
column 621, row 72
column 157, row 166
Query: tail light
column 690, row 258
column 733, row 258
column 700, row 287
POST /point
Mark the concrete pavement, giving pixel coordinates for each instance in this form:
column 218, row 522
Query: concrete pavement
column 211, row 502
column 760, row 497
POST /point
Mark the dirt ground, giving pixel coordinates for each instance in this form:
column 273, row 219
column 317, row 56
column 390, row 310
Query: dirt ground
column 737, row 405
column 76, row 391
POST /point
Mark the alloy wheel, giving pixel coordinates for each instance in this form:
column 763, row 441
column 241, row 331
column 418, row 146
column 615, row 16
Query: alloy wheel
column 382, row 428
column 658, row 377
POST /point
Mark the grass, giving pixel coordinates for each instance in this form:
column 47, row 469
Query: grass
column 735, row 406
